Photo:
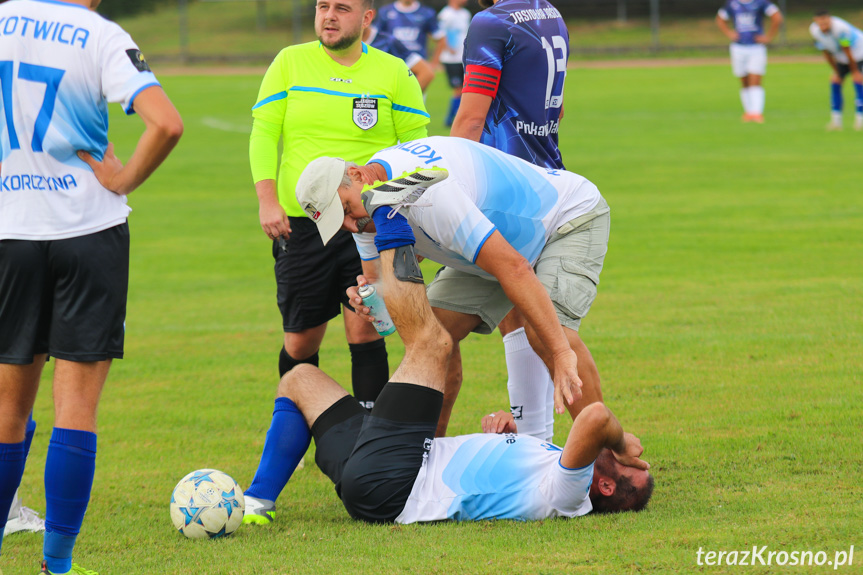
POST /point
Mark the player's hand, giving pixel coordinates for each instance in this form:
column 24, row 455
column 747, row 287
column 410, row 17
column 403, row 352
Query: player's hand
column 567, row 384
column 357, row 302
column 762, row 39
column 499, row 422
column 107, row 170
column 274, row 220
column 631, row 455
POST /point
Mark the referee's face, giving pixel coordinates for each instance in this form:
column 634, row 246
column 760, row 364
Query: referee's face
column 339, row 23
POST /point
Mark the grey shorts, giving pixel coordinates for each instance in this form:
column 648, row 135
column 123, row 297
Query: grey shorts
column 568, row 267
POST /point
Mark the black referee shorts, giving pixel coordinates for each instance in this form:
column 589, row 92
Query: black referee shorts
column 455, row 74
column 312, row 277
column 66, row 297
column 374, row 459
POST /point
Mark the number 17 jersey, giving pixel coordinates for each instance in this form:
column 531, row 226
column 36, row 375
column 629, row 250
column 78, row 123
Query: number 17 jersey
column 60, row 65
column 516, row 52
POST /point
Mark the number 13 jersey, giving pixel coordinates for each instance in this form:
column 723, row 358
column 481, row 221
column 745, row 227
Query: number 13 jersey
column 60, row 66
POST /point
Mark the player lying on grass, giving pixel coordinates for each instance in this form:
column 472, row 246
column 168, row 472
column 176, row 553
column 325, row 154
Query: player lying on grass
column 511, row 234
column 387, row 466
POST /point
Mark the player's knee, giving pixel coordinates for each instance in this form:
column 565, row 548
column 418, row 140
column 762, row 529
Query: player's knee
column 292, row 382
column 436, row 343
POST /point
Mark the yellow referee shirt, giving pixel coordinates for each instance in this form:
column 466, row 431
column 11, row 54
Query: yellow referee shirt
column 327, row 109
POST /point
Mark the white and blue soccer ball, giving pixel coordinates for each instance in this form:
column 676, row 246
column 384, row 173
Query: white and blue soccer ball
column 207, row 503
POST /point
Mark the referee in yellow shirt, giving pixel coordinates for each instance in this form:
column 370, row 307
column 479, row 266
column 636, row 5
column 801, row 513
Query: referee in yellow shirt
column 335, row 97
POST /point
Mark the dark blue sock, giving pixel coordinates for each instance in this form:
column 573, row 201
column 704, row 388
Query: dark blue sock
column 453, row 110
column 836, row 97
column 12, row 458
column 28, row 437
column 287, row 441
column 858, row 103
column 69, row 471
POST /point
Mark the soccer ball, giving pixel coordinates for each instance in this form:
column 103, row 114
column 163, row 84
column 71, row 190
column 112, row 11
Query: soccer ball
column 207, row 503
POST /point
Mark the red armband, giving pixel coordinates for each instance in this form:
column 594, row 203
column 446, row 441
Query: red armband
column 481, row 80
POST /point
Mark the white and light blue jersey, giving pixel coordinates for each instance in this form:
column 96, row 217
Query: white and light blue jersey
column 748, row 18
column 60, row 66
column 491, row 476
column 454, row 23
column 841, row 35
column 486, row 190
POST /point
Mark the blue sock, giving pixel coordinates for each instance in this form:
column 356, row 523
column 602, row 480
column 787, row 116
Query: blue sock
column 453, row 110
column 836, row 97
column 858, row 91
column 12, row 458
column 286, row 443
column 28, row 437
column 69, row 471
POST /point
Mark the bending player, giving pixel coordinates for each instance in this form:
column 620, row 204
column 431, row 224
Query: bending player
column 842, row 45
column 387, row 466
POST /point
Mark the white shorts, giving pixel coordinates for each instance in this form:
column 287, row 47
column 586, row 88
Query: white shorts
column 748, row 59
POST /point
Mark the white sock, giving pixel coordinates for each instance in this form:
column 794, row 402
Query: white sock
column 549, row 411
column 836, row 118
column 529, row 386
column 744, row 99
column 756, row 99
column 15, row 508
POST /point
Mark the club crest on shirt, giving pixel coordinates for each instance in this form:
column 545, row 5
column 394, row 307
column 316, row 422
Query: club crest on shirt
column 365, row 112
column 138, row 60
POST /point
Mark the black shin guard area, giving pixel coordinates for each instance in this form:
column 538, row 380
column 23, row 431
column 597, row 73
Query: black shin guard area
column 287, row 363
column 370, row 370
column 405, row 265
column 408, row 403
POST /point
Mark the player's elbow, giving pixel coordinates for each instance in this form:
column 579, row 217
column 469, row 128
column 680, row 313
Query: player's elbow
column 595, row 416
column 170, row 128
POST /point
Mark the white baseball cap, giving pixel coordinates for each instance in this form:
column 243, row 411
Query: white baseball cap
column 317, row 193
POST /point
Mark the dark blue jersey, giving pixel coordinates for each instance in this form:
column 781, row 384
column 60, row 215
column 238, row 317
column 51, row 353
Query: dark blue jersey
column 748, row 18
column 386, row 43
column 411, row 27
column 516, row 52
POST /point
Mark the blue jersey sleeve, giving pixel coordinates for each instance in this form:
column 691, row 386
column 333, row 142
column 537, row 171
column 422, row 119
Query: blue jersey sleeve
column 486, row 41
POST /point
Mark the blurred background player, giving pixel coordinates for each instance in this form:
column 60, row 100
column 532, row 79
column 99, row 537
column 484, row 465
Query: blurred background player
column 515, row 71
column 310, row 98
column 64, row 239
column 749, row 48
column 412, row 24
column 842, row 44
column 454, row 21
column 386, row 43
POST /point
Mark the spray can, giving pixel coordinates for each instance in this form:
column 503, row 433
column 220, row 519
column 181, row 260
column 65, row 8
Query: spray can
column 372, row 300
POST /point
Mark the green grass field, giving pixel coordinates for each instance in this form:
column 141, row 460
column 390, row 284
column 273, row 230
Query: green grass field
column 728, row 331
column 228, row 31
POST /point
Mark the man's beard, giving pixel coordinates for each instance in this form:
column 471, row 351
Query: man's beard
column 343, row 43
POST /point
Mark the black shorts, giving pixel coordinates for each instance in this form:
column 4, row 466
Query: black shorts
column 311, row 277
column 374, row 459
column 455, row 74
column 66, row 298
column 845, row 69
